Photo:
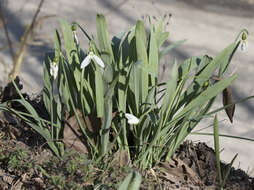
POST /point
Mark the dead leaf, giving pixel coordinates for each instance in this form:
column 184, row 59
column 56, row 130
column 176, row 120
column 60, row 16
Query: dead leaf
column 175, row 168
column 17, row 185
column 121, row 158
column 73, row 136
column 7, row 178
column 227, row 100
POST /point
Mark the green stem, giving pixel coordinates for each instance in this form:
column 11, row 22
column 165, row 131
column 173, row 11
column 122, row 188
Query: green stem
column 223, row 135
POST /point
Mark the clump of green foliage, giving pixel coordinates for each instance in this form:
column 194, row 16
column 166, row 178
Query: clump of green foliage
column 125, row 80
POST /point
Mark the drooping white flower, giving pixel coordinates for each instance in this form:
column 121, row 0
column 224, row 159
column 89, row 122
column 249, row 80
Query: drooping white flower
column 89, row 57
column 244, row 44
column 131, row 118
column 75, row 37
column 74, row 29
column 53, row 69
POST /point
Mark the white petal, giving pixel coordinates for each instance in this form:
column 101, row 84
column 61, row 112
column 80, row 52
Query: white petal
column 53, row 69
column 133, row 122
column 86, row 61
column 98, row 60
column 244, row 46
column 131, row 118
column 75, row 38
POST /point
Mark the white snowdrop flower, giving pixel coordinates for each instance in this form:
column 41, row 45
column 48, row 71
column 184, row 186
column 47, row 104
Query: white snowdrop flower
column 244, row 44
column 131, row 119
column 75, row 37
column 74, row 28
column 53, row 69
column 91, row 56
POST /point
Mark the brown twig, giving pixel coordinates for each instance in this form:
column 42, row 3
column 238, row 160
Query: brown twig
column 6, row 32
column 22, row 48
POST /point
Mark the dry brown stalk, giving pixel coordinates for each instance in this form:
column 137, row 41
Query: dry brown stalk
column 19, row 55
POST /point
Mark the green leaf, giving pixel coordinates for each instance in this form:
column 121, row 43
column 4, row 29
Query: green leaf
column 195, row 63
column 153, row 56
column 72, row 55
column 131, row 182
column 207, row 94
column 122, row 86
column 207, row 72
column 62, row 85
column 47, row 79
column 103, row 39
column 158, row 32
column 108, row 73
column 151, row 96
column 225, row 57
column 163, row 38
column 57, row 45
column 38, row 126
column 220, row 59
column 192, row 65
column 170, row 92
column 86, row 95
column 141, row 75
column 122, row 95
column 99, row 92
column 74, row 109
column 228, row 170
column 107, row 116
column 217, row 147
column 58, row 114
column 135, row 85
column 68, row 40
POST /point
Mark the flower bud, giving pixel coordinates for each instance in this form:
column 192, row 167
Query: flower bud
column 244, row 36
column 73, row 27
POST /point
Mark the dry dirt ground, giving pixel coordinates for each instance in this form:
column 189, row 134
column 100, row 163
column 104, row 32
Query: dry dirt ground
column 208, row 26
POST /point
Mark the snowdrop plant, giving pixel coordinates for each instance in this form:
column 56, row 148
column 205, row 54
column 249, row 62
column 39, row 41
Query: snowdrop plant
column 128, row 84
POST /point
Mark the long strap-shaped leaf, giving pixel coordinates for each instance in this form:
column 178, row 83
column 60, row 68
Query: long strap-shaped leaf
column 40, row 128
column 206, row 95
column 153, row 56
column 170, row 92
column 207, row 72
column 103, row 39
column 131, row 182
column 107, row 116
column 142, row 56
column 99, row 92
column 71, row 52
column 68, row 39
